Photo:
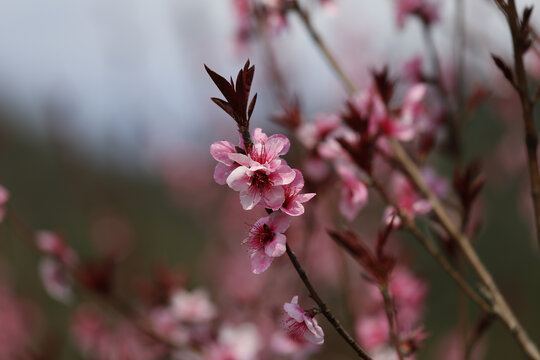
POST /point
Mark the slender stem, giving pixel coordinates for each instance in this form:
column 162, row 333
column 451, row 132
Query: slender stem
column 324, row 308
column 531, row 138
column 501, row 308
column 304, row 16
column 390, row 310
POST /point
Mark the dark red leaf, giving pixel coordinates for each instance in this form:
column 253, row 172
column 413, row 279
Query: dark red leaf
column 252, row 106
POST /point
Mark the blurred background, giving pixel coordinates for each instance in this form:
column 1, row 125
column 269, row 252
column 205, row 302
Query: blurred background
column 106, row 122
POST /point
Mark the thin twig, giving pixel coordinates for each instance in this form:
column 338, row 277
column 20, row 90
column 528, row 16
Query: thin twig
column 390, row 311
column 324, row 308
column 519, row 39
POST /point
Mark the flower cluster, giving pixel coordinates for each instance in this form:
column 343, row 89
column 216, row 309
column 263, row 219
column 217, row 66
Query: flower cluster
column 263, row 178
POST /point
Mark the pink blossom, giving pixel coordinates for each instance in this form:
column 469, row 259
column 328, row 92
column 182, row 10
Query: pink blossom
column 428, row 12
column 412, row 70
column 266, row 241
column 166, row 324
column 262, row 174
column 411, row 113
column 192, row 307
column 331, row 149
column 18, row 324
column 409, row 200
column 300, row 324
column 4, row 197
column 282, row 344
column 409, row 294
column 54, row 245
column 373, row 331
column 293, row 199
column 241, row 342
column 220, row 151
column 55, row 279
column 370, row 105
column 354, row 193
column 310, row 134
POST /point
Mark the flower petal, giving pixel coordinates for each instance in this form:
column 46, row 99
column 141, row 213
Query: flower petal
column 260, row 262
column 220, row 151
column 250, row 198
column 276, row 247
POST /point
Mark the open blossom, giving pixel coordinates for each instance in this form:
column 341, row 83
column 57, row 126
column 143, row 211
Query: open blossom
column 266, row 241
column 412, row 114
column 301, row 325
column 262, row 174
column 354, row 193
column 220, row 151
column 293, row 199
column 427, row 11
column 312, row 133
column 408, row 198
column 192, row 307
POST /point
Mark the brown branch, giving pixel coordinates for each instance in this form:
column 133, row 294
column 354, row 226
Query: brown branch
column 520, row 37
column 500, row 307
column 390, row 311
column 306, row 20
column 324, row 308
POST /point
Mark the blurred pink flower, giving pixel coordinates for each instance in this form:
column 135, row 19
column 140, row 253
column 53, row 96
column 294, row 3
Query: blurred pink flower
column 241, row 342
column 372, row 331
column 266, row 241
column 293, row 199
column 408, row 198
column 300, row 324
column 354, row 193
column 54, row 245
column 4, row 197
column 261, row 174
column 412, row 70
column 282, row 344
column 405, row 126
column 428, row 12
column 97, row 339
column 56, row 280
column 18, row 323
column 409, row 292
column 192, row 307
column 310, row 134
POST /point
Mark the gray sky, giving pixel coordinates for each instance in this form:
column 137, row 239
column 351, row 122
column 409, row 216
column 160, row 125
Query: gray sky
column 122, row 68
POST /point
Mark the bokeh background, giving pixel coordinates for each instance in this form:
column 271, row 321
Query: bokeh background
column 105, row 125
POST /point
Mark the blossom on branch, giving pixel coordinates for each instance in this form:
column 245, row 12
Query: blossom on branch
column 266, row 241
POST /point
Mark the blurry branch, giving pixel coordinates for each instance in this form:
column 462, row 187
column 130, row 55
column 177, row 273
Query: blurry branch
column 306, row 20
column 521, row 42
column 499, row 304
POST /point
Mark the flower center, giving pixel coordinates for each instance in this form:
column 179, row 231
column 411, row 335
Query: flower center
column 260, row 180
